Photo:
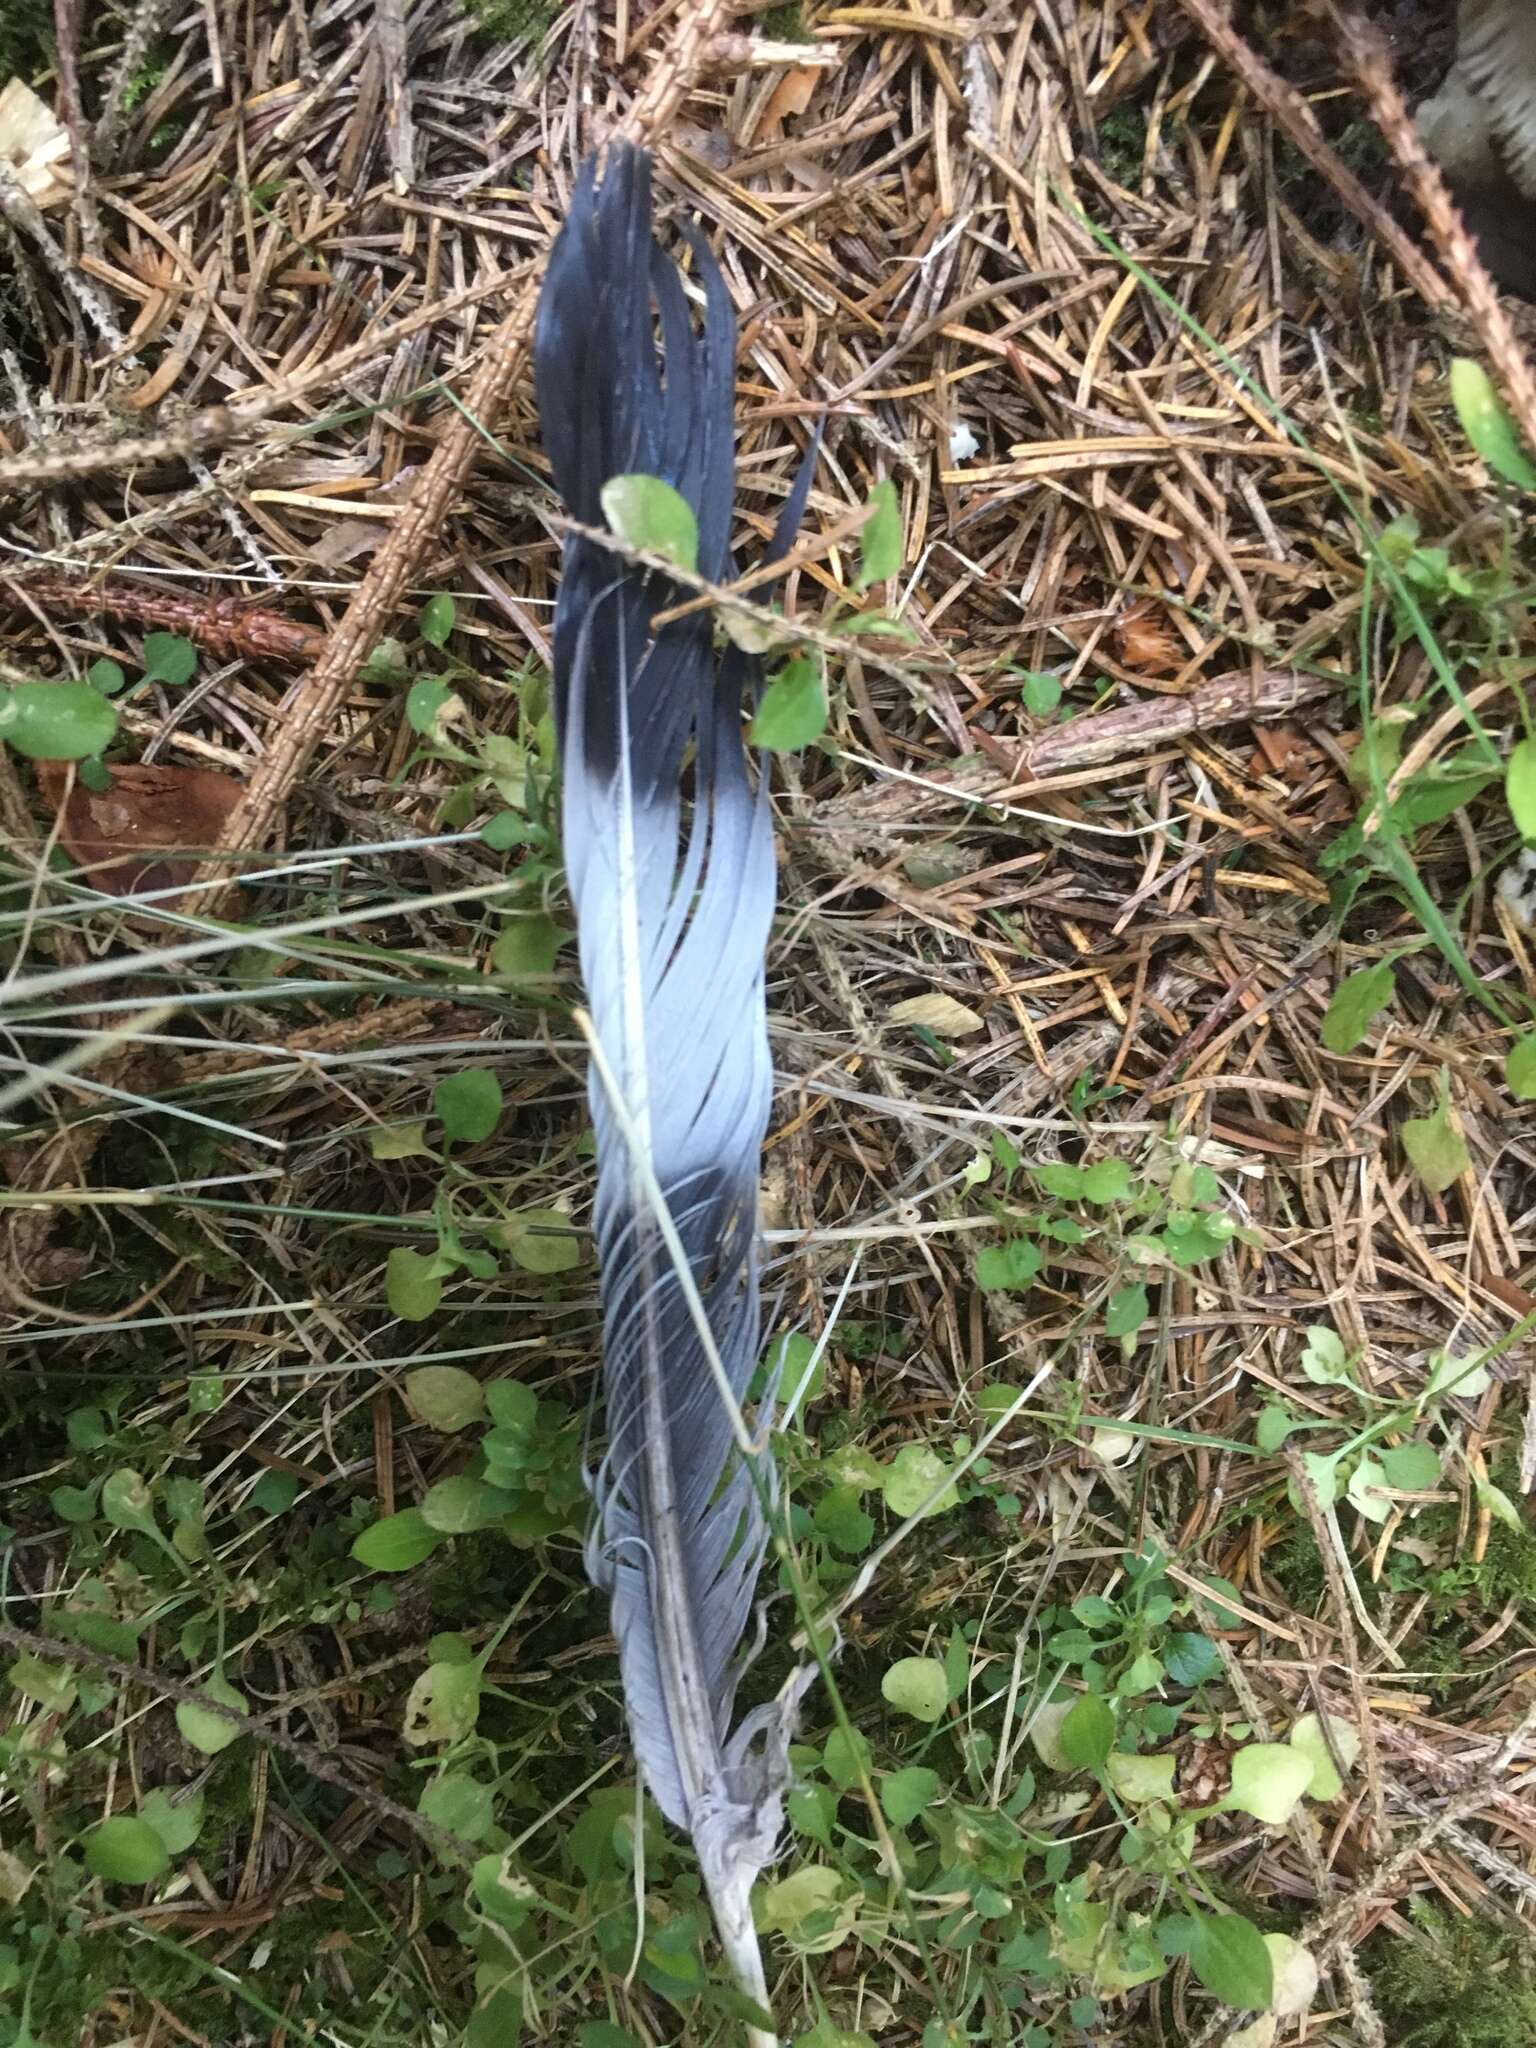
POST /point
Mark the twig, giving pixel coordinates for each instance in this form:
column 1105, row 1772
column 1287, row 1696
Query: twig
column 1372, row 66
column 226, row 626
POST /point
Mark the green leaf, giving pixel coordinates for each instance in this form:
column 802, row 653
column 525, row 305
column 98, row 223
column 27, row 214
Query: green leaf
column 106, row 676
column 175, row 1821
column 1106, row 1181
column 1499, row 1505
column 1459, row 1376
column 1435, row 1146
column 1309, row 1741
column 399, row 1141
column 508, row 1898
column 444, row 1397
column 512, row 1404
column 1190, row 1658
column 1322, row 1468
column 52, row 1685
column 169, row 658
column 526, row 948
column 912, row 1476
column 274, row 1493
column 646, row 513
column 56, row 721
column 86, row 1428
column 1041, row 693
column 1011, row 1265
column 1267, row 1780
column 396, row 1543
column 436, row 619
column 793, row 711
column 460, row 1506
column 207, row 1731
column 1520, row 788
column 468, row 1104
column 843, row 1522
column 1357, row 999
column 1325, row 1360
column 1060, row 1178
column 1087, row 1733
column 916, row 1686
column 459, row 1803
column 126, row 1503
column 845, row 1757
column 1140, row 1779
column 904, row 1794
column 1228, row 1955
column 430, row 707
column 443, row 1704
column 1520, row 1068
column 542, row 1241
column 73, row 1503
column 1411, row 1468
column 412, row 1285
column 880, row 540
column 1125, row 1311
column 126, row 1850
column 1487, row 425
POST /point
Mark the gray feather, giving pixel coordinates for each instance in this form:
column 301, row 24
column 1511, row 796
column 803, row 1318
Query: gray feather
column 674, row 904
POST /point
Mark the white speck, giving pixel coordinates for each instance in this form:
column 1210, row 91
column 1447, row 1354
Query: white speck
column 1517, row 888
column 963, row 444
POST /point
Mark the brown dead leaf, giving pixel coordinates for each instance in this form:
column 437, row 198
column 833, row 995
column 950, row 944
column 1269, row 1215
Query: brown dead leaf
column 1145, row 641
column 126, row 836
column 791, row 96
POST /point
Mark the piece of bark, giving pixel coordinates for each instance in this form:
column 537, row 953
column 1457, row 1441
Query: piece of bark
column 146, row 830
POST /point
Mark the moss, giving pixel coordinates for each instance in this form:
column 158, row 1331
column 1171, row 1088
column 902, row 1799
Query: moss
column 1466, row 1985
column 512, row 21
column 26, row 38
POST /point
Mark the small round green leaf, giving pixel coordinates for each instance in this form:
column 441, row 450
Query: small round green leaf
column 1087, row 1733
column 793, row 711
column 468, row 1104
column 205, row 1730
column 436, row 620
column 1520, row 788
column 459, row 1506
column 917, row 1686
column 646, row 513
column 412, row 1286
column 1353, row 1005
column 125, row 1502
column 1267, row 1780
column 542, row 1241
column 904, row 1794
column 175, row 1821
column 396, row 1543
column 1520, row 1068
column 126, row 1850
column 169, row 658
column 1125, row 1311
column 56, row 721
column 459, row 1803
column 444, row 1704
column 106, row 676
column 444, row 1397
column 1228, row 1955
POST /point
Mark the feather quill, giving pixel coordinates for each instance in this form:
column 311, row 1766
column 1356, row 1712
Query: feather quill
column 674, row 902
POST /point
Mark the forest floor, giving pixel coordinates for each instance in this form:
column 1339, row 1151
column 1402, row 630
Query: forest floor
column 1149, row 1194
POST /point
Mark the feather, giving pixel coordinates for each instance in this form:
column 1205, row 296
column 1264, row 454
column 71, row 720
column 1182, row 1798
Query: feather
column 674, row 903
